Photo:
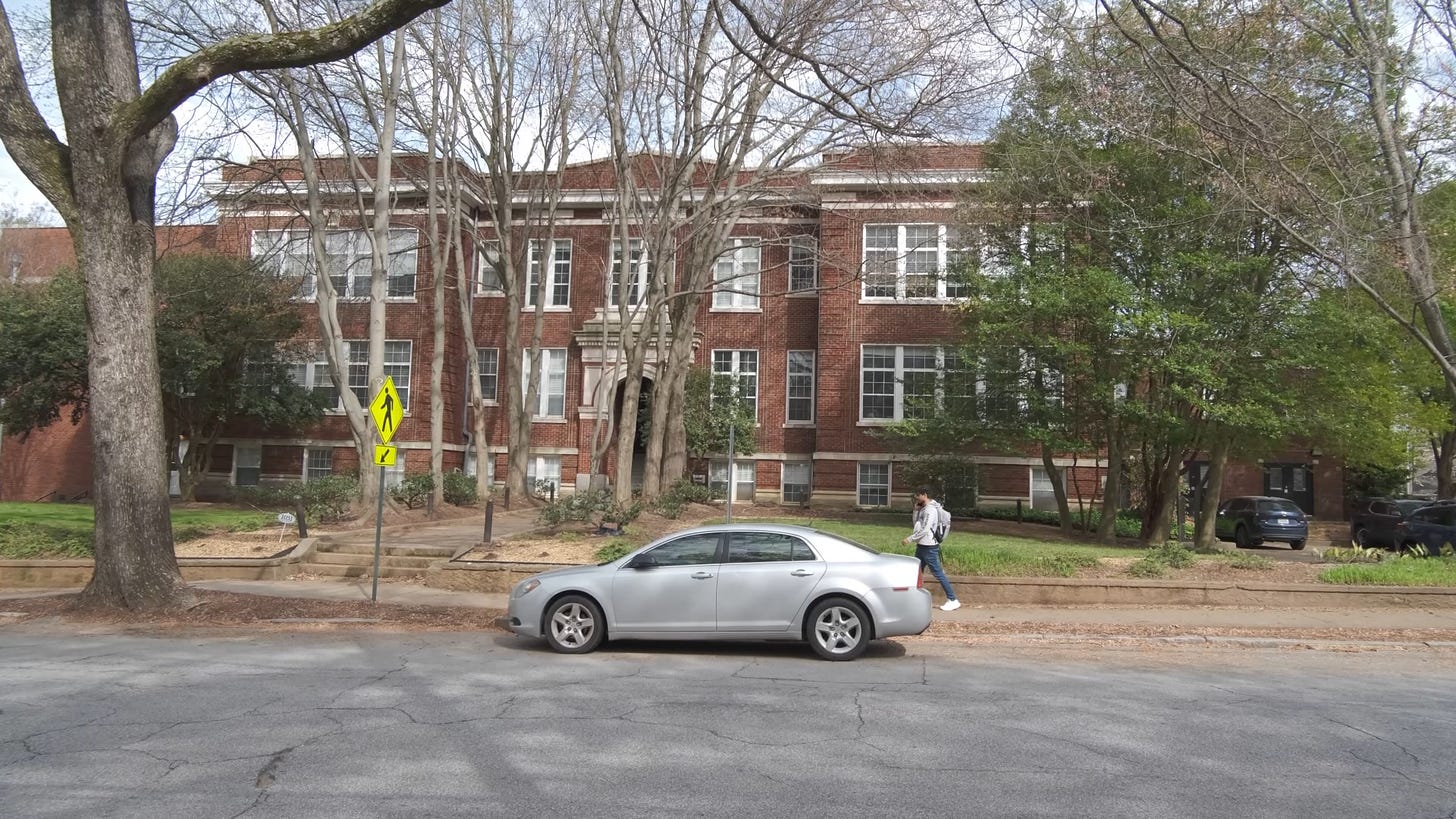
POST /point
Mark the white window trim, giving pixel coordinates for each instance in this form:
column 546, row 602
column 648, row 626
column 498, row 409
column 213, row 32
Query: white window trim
column 253, row 447
column 316, row 373
column 738, row 299
column 539, row 413
column 532, row 260
column 494, row 399
column 478, row 286
column 535, row 467
column 899, row 382
column 358, row 237
column 809, row 485
column 812, row 244
column 944, row 258
column 889, row 482
column 736, row 371
column 307, row 450
column 813, row 388
column 643, row 271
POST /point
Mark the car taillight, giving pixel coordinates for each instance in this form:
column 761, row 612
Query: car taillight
column 920, row 580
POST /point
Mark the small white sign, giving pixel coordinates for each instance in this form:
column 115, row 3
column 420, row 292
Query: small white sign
column 287, row 518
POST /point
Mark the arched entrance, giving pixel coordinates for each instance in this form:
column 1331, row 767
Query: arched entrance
column 642, row 426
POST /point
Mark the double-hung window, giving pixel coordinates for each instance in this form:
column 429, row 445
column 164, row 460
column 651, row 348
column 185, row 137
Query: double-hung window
column 910, row 262
column 287, row 254
column 803, row 265
column 558, row 289
column 629, row 287
column 796, row 481
column 488, row 272
column 314, row 375
column 551, row 382
column 742, row 367
column 800, row 387
column 735, row 276
column 489, row 361
column 318, row 463
column 898, row 383
column 543, row 473
column 348, row 260
column 874, row 484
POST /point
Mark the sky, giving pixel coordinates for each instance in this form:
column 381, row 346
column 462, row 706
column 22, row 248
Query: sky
column 15, row 189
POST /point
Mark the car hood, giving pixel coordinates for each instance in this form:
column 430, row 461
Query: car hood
column 569, row 572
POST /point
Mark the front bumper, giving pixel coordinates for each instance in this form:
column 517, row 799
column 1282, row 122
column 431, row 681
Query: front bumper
column 522, row 618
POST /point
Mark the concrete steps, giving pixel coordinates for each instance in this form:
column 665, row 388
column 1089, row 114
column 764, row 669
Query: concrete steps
column 350, row 571
column 392, row 561
column 395, row 550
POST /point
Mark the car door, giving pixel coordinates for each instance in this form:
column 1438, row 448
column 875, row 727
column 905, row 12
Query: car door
column 675, row 593
column 1381, row 522
column 765, row 581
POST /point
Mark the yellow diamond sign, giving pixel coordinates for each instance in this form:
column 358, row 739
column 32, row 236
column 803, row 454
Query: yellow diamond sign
column 385, row 455
column 386, row 410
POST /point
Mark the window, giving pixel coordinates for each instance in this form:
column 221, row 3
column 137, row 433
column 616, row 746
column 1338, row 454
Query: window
column 396, row 366
column 550, row 382
column 795, row 483
column 488, row 281
column 800, row 387
column 910, row 262
column 544, row 472
column 394, row 475
column 693, row 550
column 247, row 464
column 745, row 476
column 558, row 290
column 314, row 375
column 874, row 484
column 803, row 264
column 766, row 547
column 317, row 463
column 348, row 259
column 470, row 465
column 735, row 276
column 1000, row 388
column 742, row 365
column 635, row 287
column 899, row 382
column 489, row 358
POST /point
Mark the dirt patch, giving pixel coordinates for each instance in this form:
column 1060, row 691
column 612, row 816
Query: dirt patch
column 262, row 543
column 578, row 542
column 217, row 609
column 1210, row 571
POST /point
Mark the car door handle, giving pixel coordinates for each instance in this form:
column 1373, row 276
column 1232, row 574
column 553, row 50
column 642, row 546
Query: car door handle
column 701, row 575
column 801, row 573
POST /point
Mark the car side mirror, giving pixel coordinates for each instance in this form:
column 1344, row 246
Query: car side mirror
column 646, row 561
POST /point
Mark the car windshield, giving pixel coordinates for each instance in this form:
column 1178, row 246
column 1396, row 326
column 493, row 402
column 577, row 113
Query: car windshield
column 1271, row 506
column 842, row 539
column 1408, row 506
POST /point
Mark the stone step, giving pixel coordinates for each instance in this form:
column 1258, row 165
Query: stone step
column 392, row 561
column 400, row 550
column 338, row 570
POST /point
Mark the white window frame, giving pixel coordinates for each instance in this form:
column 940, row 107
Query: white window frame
column 394, row 475
column 803, row 253
column 250, row 448
column 900, row 255
column 718, row 474
column 860, row 484
column 488, row 281
column 398, row 364
column 353, row 250
column 642, row 268
column 807, row 483
column 938, row 372
column 542, row 410
column 538, row 466
column 736, row 275
column 736, row 360
column 468, row 465
column 789, row 378
column 309, row 468
column 493, row 395
column 558, row 290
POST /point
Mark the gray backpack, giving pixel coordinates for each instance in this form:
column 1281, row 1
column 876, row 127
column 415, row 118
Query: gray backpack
column 941, row 528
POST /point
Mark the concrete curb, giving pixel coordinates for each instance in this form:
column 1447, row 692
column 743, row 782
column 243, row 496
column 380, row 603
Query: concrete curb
column 1199, row 640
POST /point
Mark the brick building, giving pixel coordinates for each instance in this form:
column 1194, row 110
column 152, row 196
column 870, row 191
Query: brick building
column 834, row 323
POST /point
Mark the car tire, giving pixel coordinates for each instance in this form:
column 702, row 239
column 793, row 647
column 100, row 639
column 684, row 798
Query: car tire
column 1241, row 537
column 838, row 629
column 574, row 625
column 1361, row 537
column 1296, row 545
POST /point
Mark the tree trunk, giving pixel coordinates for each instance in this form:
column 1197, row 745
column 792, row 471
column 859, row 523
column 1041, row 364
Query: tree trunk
column 1164, row 486
column 675, row 455
column 1112, row 487
column 627, row 428
column 1204, row 537
column 1059, row 491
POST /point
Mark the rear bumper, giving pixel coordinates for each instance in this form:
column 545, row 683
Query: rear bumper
column 903, row 613
column 1284, row 534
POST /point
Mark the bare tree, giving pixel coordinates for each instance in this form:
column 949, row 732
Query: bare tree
column 102, row 181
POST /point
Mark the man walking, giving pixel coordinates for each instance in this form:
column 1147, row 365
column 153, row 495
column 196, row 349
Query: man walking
column 927, row 545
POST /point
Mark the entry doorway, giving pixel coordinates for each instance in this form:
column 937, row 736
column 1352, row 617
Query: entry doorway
column 1292, row 481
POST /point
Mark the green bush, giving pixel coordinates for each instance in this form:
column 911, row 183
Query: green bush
column 460, row 489
column 414, row 491
column 325, row 500
column 1064, row 564
column 25, row 541
column 1175, row 554
column 614, row 549
column 1147, row 567
column 684, row 491
column 578, row 506
column 1354, row 553
column 621, row 513
column 1244, row 560
column 670, row 508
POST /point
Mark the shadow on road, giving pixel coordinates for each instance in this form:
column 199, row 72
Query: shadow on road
column 877, row 649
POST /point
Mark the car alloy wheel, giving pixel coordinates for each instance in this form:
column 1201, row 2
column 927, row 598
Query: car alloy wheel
column 1296, row 545
column 838, row 629
column 1362, row 538
column 1241, row 537
column 574, row 625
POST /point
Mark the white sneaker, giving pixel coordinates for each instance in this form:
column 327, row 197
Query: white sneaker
column 950, row 605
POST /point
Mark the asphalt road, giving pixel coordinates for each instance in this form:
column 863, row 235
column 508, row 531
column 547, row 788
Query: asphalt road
column 463, row 725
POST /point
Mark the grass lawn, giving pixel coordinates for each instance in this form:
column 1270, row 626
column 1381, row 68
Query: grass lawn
column 1415, row 571
column 976, row 554
column 29, row 530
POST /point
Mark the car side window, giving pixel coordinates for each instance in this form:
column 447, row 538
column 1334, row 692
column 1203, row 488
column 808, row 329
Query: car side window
column 1379, row 508
column 766, row 547
column 1445, row 517
column 692, row 550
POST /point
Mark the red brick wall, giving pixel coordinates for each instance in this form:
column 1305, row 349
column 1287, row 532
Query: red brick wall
column 49, row 462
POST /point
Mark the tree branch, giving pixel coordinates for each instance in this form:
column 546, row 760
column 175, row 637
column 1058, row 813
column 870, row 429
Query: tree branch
column 41, row 156
column 261, row 52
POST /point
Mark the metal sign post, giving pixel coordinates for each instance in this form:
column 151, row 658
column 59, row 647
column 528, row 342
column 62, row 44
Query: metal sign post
column 731, row 466
column 387, row 413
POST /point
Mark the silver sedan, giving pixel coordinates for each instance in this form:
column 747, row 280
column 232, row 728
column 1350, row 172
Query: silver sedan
column 730, row 582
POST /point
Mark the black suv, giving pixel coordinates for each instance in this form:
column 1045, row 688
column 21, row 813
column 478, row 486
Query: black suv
column 1433, row 527
column 1374, row 521
column 1249, row 521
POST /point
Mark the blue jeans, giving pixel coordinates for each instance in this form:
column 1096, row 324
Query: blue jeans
column 930, row 556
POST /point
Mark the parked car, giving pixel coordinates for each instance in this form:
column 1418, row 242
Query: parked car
column 730, row 582
column 1373, row 522
column 1432, row 527
column 1249, row 521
